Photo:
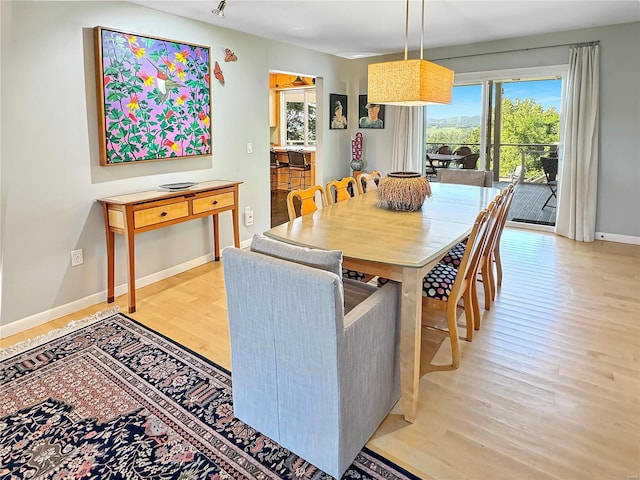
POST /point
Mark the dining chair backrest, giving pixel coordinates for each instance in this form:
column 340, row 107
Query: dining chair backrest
column 470, row 161
column 470, row 260
column 368, row 181
column 550, row 167
column 508, row 194
column 444, row 150
column 296, row 158
column 464, row 150
column 308, row 200
column 339, row 190
column 486, row 262
column 465, row 282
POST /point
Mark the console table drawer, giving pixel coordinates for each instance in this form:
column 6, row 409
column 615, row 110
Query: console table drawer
column 151, row 216
column 213, row 202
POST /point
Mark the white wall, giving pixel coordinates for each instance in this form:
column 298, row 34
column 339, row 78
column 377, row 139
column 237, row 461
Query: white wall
column 50, row 170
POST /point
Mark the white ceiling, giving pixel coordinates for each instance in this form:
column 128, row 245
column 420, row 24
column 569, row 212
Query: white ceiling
column 364, row 28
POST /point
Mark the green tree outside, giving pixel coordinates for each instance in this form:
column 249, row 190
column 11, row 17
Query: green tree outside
column 524, row 121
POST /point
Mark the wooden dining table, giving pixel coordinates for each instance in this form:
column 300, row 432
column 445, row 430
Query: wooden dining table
column 402, row 246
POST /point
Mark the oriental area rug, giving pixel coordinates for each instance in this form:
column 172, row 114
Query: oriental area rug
column 112, row 399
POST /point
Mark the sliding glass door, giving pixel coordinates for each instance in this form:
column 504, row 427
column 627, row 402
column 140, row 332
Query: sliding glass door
column 512, row 119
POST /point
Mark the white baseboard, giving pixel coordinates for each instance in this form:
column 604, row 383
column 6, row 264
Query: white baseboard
column 99, row 297
column 614, row 237
column 607, row 237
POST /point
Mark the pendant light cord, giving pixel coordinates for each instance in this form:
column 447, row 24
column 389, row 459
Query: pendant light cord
column 422, row 33
column 406, row 33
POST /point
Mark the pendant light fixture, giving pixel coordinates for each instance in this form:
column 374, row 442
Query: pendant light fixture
column 220, row 10
column 299, row 82
column 409, row 82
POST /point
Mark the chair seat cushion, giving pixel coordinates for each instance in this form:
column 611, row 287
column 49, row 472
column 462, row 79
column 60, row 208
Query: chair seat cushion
column 454, row 256
column 436, row 284
column 439, row 282
column 353, row 274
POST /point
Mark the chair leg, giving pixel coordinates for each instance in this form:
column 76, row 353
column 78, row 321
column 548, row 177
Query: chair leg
column 475, row 303
column 496, row 258
column 492, row 278
column 486, row 282
column 551, row 195
column 469, row 313
column 452, row 317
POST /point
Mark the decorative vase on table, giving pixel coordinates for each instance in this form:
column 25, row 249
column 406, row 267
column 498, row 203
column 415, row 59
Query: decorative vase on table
column 403, row 191
column 357, row 164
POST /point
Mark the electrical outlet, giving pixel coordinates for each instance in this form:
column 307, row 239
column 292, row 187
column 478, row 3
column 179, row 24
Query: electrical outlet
column 76, row 257
column 248, row 216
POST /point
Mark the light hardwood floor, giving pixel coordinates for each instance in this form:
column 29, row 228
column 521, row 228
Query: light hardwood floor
column 548, row 389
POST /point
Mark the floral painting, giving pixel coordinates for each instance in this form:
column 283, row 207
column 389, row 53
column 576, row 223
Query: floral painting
column 154, row 99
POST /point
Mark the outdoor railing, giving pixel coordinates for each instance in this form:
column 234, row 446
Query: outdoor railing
column 514, row 160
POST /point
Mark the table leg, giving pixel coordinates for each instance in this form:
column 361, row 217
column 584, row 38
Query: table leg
column 236, row 227
column 216, row 238
column 131, row 263
column 110, row 256
column 410, row 340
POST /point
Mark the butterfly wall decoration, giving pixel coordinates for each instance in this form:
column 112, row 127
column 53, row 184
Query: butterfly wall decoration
column 229, row 56
column 217, row 72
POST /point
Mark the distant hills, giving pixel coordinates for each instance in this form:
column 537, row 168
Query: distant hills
column 455, row 122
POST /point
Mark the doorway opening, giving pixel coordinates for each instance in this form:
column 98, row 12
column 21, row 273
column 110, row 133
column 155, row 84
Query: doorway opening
column 292, row 127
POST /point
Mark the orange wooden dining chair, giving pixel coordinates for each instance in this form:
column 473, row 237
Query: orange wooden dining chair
column 368, row 181
column 453, row 258
column 339, row 190
column 508, row 193
column 444, row 286
column 307, row 198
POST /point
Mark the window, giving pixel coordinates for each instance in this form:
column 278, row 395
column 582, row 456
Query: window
column 299, row 111
column 509, row 117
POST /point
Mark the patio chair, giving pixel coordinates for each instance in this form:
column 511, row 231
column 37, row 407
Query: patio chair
column 430, row 168
column 550, row 167
column 469, row 162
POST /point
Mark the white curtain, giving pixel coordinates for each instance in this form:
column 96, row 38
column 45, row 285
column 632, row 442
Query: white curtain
column 406, row 155
column 578, row 172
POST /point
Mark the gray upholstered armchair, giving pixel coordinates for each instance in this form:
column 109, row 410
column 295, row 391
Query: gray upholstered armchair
column 314, row 357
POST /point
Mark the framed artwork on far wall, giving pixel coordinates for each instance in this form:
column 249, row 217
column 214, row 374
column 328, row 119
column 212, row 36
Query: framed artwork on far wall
column 338, row 111
column 154, row 98
column 371, row 114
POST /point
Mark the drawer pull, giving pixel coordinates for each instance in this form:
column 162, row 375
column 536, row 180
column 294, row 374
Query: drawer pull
column 215, row 202
column 164, row 214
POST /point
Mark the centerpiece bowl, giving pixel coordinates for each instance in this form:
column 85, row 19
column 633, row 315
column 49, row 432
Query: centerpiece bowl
column 403, row 191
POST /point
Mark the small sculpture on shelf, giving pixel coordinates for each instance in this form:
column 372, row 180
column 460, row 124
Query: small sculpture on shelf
column 356, row 153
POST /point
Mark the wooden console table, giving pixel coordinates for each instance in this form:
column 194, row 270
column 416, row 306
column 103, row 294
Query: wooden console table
column 143, row 211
